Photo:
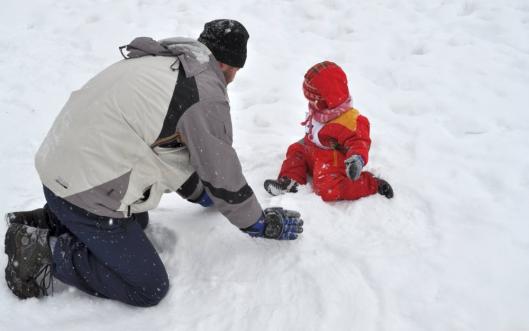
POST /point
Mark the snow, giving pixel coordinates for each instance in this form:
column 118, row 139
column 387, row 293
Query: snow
column 445, row 84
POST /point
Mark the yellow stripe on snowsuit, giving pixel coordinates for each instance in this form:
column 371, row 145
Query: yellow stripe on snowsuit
column 347, row 119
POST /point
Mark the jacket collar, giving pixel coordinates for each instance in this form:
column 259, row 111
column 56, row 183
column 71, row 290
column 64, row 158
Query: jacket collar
column 193, row 55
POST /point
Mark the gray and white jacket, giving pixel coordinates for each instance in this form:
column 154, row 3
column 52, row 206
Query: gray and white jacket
column 154, row 123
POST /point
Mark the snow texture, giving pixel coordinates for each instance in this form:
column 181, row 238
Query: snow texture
column 445, row 84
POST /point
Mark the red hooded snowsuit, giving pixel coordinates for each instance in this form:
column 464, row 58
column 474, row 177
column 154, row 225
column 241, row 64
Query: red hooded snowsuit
column 321, row 153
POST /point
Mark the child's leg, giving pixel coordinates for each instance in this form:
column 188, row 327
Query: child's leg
column 295, row 164
column 332, row 184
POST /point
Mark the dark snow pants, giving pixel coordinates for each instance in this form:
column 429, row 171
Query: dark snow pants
column 106, row 257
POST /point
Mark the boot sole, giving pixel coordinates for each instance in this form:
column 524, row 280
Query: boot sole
column 7, row 218
column 21, row 288
column 9, row 241
column 11, row 249
column 10, row 246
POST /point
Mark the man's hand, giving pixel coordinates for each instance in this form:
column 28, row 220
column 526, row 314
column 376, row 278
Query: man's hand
column 277, row 223
column 353, row 166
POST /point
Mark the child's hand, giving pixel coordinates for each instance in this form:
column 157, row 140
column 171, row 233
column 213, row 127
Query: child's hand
column 353, row 166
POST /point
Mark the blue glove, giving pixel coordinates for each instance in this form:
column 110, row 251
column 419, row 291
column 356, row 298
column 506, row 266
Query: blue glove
column 277, row 223
column 353, row 166
column 204, row 200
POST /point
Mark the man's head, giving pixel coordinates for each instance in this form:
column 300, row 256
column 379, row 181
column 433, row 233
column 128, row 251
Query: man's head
column 227, row 40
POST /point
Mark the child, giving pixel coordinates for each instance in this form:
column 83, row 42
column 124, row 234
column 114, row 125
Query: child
column 336, row 144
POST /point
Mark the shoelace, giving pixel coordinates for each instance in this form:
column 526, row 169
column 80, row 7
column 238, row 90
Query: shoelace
column 46, row 280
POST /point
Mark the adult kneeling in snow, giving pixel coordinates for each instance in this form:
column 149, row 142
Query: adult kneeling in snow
column 153, row 123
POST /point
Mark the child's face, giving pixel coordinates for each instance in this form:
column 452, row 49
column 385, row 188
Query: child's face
column 318, row 104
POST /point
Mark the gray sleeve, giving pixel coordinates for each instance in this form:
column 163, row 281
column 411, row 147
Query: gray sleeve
column 206, row 130
column 192, row 188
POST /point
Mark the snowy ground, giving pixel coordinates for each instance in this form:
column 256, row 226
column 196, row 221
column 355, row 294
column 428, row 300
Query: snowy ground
column 445, row 84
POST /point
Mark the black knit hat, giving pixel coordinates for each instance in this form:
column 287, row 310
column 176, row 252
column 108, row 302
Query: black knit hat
column 226, row 39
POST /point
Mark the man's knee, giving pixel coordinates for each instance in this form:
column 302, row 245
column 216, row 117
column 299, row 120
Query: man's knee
column 142, row 219
column 150, row 293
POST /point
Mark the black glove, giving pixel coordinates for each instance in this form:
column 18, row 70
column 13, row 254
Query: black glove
column 277, row 223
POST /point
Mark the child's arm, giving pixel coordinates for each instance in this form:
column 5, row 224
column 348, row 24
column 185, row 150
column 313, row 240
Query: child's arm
column 350, row 134
column 359, row 141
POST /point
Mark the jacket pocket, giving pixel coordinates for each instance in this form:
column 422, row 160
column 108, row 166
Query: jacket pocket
column 150, row 200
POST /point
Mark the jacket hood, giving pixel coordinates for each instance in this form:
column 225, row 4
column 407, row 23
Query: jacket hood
column 193, row 55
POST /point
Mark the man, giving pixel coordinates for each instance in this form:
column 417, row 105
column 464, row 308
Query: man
column 156, row 122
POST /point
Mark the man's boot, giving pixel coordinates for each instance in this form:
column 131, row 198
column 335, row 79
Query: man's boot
column 280, row 186
column 37, row 218
column 28, row 271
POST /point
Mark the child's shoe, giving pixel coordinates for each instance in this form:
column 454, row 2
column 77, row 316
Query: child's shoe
column 384, row 188
column 280, row 186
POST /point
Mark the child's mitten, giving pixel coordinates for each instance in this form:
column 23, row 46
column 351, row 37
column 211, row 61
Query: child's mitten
column 353, row 166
